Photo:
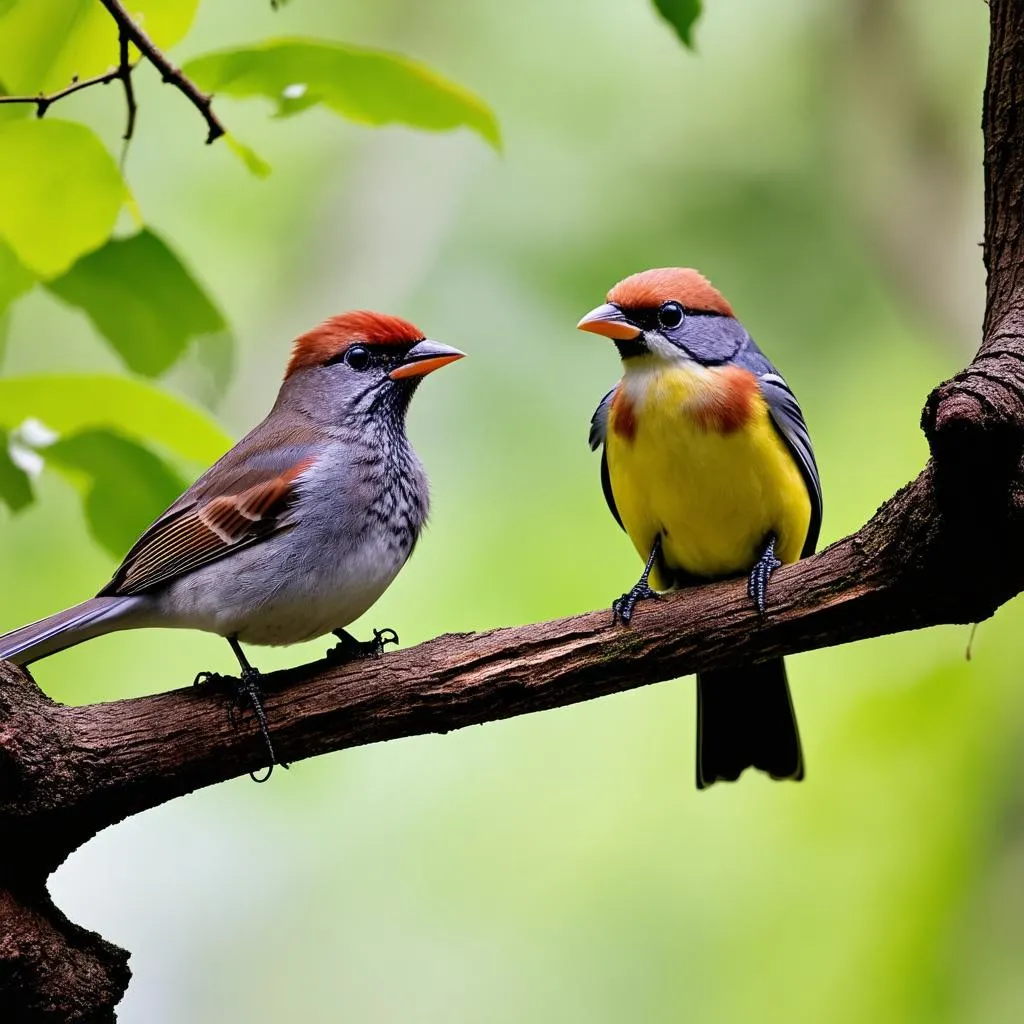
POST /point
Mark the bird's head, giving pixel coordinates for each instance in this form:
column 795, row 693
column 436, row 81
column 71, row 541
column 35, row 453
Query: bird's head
column 670, row 315
column 361, row 363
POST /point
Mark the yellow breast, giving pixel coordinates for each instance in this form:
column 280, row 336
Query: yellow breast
column 693, row 456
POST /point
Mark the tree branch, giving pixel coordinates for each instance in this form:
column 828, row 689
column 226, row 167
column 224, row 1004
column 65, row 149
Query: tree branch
column 66, row 773
column 129, row 32
column 125, row 69
column 168, row 72
column 43, row 102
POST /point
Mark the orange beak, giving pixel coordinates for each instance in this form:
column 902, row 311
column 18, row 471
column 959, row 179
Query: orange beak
column 609, row 321
column 425, row 357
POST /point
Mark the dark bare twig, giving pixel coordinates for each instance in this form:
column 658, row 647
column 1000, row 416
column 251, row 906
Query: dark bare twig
column 168, row 72
column 43, row 102
column 125, row 74
column 130, row 33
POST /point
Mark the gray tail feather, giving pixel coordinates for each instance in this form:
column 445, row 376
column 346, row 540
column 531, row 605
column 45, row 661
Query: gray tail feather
column 91, row 618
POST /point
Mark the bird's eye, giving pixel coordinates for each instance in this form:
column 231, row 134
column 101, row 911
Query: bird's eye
column 357, row 357
column 670, row 315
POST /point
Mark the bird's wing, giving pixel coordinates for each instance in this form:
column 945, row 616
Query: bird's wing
column 209, row 522
column 789, row 421
column 598, row 433
column 599, row 421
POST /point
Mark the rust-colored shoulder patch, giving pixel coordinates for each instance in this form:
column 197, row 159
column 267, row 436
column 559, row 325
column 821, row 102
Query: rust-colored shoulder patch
column 729, row 402
column 336, row 334
column 622, row 416
column 684, row 285
column 202, row 533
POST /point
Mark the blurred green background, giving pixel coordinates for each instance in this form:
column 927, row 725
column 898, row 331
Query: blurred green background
column 821, row 163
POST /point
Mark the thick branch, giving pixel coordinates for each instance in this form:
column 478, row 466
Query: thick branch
column 51, row 970
column 974, row 422
column 65, row 773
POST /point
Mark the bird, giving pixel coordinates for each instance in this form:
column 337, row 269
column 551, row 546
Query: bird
column 298, row 529
column 707, row 464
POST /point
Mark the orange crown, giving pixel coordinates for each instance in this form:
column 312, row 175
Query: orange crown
column 651, row 288
column 337, row 333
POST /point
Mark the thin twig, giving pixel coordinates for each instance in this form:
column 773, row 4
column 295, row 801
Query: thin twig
column 129, row 32
column 168, row 72
column 43, row 102
column 124, row 72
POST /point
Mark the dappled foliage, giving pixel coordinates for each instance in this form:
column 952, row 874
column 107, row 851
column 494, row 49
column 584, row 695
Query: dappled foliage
column 60, row 234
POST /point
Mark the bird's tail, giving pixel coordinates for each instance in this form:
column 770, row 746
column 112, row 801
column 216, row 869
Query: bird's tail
column 65, row 629
column 745, row 719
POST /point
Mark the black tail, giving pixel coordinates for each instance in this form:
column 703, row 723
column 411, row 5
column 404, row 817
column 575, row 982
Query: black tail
column 745, row 719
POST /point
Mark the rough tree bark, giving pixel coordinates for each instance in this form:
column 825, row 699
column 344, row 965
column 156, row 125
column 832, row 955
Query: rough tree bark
column 66, row 773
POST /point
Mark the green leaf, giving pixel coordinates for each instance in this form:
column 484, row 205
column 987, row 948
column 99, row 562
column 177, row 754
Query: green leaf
column 45, row 43
column 126, row 486
column 681, row 15
column 254, row 163
column 125, row 405
column 68, row 192
column 15, row 488
column 368, row 86
column 15, row 279
column 108, row 428
column 142, row 299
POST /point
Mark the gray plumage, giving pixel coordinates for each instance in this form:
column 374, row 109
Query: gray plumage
column 292, row 534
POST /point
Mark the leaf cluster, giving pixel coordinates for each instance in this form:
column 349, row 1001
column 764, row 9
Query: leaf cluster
column 62, row 230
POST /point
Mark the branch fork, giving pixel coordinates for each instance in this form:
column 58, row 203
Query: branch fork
column 130, row 33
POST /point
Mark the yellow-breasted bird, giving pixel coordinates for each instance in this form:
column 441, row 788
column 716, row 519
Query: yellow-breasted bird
column 708, row 467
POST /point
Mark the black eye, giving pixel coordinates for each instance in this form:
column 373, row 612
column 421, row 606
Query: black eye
column 670, row 315
column 357, row 357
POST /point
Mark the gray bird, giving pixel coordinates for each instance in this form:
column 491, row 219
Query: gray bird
column 298, row 529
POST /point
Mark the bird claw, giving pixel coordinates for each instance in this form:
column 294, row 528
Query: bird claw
column 208, row 679
column 622, row 608
column 383, row 637
column 757, row 582
column 246, row 691
column 349, row 648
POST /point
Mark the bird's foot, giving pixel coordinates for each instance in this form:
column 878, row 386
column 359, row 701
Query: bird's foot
column 349, row 648
column 247, row 692
column 757, row 582
column 622, row 609
column 209, row 679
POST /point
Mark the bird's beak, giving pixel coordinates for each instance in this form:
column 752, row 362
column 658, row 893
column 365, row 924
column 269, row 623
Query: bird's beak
column 610, row 321
column 425, row 357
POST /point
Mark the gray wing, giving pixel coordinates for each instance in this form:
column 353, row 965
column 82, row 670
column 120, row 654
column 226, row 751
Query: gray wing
column 599, row 421
column 249, row 498
column 789, row 421
column 598, row 433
